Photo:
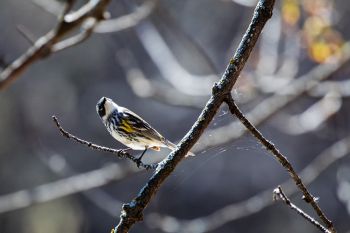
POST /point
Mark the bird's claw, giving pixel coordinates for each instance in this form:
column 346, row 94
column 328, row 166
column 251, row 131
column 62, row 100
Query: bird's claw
column 138, row 162
column 126, row 150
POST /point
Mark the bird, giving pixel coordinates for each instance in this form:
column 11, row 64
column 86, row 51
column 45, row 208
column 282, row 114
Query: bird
column 130, row 129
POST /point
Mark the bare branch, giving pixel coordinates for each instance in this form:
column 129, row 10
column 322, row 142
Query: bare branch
column 253, row 204
column 133, row 211
column 85, row 33
column 308, row 197
column 129, row 20
column 279, row 194
column 88, row 18
column 120, row 153
column 43, row 46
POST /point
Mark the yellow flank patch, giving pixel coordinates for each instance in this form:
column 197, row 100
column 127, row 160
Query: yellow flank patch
column 125, row 126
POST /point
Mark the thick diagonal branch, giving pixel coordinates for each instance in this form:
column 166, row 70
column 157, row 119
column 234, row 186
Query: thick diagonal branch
column 133, row 211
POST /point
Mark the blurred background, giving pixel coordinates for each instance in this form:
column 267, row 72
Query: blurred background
column 161, row 61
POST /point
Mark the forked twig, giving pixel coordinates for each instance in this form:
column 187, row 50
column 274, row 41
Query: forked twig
column 132, row 212
column 308, row 197
column 255, row 203
column 87, row 18
column 279, row 194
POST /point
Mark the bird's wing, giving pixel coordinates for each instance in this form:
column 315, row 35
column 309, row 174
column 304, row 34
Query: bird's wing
column 139, row 125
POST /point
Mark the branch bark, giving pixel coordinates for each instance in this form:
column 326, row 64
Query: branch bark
column 133, row 211
column 308, row 197
column 279, row 194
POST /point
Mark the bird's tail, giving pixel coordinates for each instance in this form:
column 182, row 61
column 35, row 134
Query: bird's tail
column 172, row 146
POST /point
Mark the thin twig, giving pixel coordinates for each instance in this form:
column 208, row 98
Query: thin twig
column 85, row 33
column 308, row 197
column 133, row 211
column 120, row 152
column 279, row 194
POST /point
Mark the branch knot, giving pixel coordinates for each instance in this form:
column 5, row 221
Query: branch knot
column 308, row 199
column 215, row 89
column 131, row 213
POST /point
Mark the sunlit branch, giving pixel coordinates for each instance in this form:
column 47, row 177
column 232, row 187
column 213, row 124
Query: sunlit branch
column 89, row 18
column 43, row 47
column 85, row 33
column 129, row 20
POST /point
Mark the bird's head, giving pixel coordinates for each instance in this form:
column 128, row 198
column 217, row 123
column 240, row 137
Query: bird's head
column 105, row 106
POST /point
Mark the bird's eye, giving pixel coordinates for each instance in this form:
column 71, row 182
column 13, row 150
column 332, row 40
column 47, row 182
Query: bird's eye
column 101, row 111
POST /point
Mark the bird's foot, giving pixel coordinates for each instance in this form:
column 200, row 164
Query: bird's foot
column 126, row 150
column 138, row 162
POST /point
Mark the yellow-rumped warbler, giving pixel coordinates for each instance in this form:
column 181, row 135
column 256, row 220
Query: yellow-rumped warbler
column 130, row 129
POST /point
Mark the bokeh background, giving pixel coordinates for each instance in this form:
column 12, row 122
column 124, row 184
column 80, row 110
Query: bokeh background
column 163, row 68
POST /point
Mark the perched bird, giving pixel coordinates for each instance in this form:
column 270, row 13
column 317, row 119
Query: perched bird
column 130, row 129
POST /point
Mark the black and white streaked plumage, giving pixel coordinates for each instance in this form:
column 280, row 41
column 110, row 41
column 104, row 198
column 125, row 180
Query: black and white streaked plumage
column 129, row 128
